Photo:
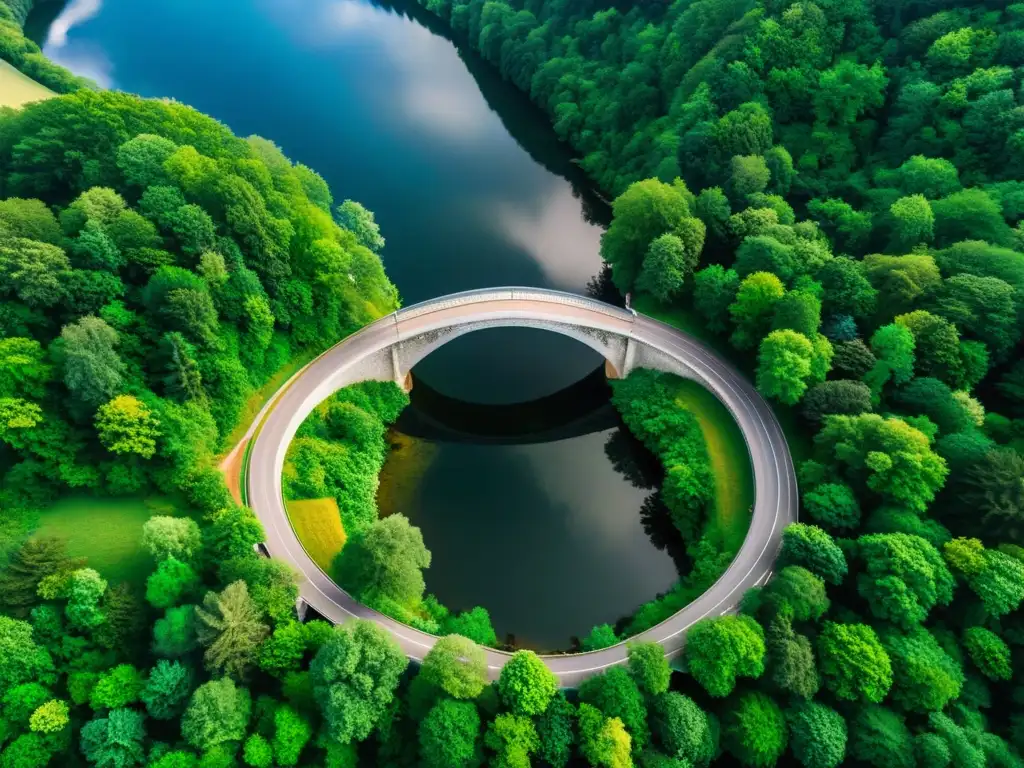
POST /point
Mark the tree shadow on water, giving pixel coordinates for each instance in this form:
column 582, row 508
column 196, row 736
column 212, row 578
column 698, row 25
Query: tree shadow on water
column 642, row 469
column 658, row 525
column 632, row 460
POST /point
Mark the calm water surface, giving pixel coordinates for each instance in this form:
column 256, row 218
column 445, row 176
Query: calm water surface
column 471, row 189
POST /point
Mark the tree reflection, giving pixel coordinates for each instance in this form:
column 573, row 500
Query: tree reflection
column 602, row 288
column 642, row 469
column 658, row 525
column 632, row 460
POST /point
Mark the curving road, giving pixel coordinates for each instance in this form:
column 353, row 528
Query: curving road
column 775, row 483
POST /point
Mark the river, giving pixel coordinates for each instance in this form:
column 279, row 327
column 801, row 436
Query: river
column 471, row 189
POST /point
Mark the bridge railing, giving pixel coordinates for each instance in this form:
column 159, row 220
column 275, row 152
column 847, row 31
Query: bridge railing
column 511, row 294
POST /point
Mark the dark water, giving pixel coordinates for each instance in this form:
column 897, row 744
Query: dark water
column 471, row 189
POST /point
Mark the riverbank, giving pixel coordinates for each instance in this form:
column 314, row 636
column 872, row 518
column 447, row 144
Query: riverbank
column 408, row 460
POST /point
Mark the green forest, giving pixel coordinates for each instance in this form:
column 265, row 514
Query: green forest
column 830, row 189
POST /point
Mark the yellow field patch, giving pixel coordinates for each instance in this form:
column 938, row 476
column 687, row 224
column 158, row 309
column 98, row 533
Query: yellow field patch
column 17, row 89
column 317, row 523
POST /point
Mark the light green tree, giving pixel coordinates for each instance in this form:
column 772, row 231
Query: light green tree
column 51, row 717
column 218, row 713
column 164, row 536
column 126, row 426
column 720, row 650
column 784, row 366
column 457, row 666
column 231, row 628
column 526, row 684
column 913, row 221
column 354, row 675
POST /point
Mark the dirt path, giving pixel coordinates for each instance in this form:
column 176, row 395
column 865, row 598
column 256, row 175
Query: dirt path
column 231, row 466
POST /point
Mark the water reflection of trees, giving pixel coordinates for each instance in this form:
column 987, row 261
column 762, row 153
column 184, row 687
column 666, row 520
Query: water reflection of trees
column 525, row 121
column 632, row 460
column 642, row 470
column 602, row 288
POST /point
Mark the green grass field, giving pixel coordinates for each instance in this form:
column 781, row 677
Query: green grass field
column 317, row 523
column 730, row 461
column 17, row 89
column 686, row 320
column 105, row 531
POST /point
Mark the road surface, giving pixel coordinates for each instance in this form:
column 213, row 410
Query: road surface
column 775, row 504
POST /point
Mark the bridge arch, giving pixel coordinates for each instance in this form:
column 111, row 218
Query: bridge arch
column 412, row 349
column 388, row 349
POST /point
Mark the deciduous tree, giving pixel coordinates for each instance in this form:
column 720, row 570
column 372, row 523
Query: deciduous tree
column 682, row 729
column 988, row 651
column 355, row 674
column 167, row 689
column 164, row 536
column 615, row 694
column 879, row 737
column 114, row 741
column 925, row 677
column 385, row 561
column 526, row 684
column 755, row 730
column 817, row 735
column 812, row 548
column 644, row 212
column 649, row 667
column 171, row 583
column 93, row 370
column 853, row 663
column 784, row 366
column 457, row 666
column 720, row 650
column 604, row 742
column 360, row 222
column 117, row 688
column 904, row 577
column 888, row 455
column 217, row 713
column 753, row 308
column 450, row 735
column 513, row 739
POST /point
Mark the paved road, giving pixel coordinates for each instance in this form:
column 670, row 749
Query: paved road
column 775, row 483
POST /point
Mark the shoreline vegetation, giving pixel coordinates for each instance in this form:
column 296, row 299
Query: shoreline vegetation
column 344, row 448
column 407, row 462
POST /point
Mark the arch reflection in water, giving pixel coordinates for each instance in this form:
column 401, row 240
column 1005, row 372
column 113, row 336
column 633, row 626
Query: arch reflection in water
column 540, row 510
column 579, row 409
